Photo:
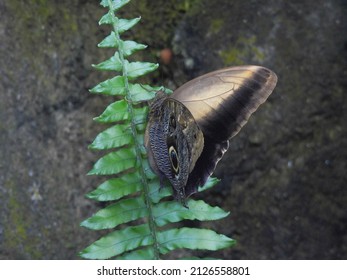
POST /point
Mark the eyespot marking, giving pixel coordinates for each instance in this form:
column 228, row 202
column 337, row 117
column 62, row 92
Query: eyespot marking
column 174, row 159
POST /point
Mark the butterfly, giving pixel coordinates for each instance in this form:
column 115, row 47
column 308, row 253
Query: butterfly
column 188, row 132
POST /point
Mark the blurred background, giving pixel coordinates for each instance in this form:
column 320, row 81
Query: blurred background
column 284, row 178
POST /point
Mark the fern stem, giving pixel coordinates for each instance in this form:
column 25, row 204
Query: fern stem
column 152, row 225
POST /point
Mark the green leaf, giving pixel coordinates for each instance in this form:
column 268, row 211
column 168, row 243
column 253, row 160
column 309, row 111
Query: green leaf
column 118, row 242
column 211, row 182
column 104, row 3
column 114, row 137
column 130, row 47
column 114, row 162
column 137, row 69
column 140, row 127
column 140, row 116
column 126, row 24
column 114, row 86
column 166, row 90
column 192, row 238
column 140, row 254
column 140, row 92
column 173, row 211
column 148, row 170
column 112, row 64
column 118, row 111
column 156, row 193
column 123, row 211
column 115, row 112
column 109, row 42
column 117, row 4
column 106, row 19
column 117, row 188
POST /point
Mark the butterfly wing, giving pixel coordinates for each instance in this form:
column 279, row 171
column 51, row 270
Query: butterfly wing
column 174, row 142
column 221, row 102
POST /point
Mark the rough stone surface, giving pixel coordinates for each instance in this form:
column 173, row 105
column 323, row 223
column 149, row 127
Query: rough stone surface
column 284, row 176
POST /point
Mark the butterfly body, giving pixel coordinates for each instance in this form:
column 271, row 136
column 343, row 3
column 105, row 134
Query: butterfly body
column 195, row 123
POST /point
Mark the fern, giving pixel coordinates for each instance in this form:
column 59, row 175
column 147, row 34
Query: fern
column 142, row 224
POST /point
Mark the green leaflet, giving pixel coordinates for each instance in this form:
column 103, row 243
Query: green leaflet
column 118, row 111
column 128, row 47
column 115, row 112
column 142, row 92
column 126, row 24
column 117, row 188
column 155, row 193
column 118, row 242
column 192, row 238
column 109, row 42
column 114, row 86
column 123, row 24
column 172, row 211
column 137, row 69
column 131, row 47
column 112, row 64
column 114, row 162
column 123, row 211
column 113, row 137
column 140, row 254
column 115, row 4
column 212, row 181
column 133, row 194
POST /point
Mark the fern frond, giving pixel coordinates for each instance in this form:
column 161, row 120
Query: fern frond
column 144, row 224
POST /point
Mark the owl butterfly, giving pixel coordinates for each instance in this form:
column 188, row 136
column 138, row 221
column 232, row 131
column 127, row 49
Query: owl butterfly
column 188, row 132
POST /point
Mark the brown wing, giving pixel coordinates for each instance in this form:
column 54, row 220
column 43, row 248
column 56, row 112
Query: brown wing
column 174, row 142
column 221, row 103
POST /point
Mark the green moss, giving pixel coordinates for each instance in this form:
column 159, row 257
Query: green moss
column 216, row 25
column 232, row 56
column 44, row 10
column 35, row 11
column 243, row 50
column 37, row 17
column 36, row 35
column 17, row 228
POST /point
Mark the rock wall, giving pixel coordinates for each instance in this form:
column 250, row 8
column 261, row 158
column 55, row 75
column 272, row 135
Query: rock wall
column 283, row 178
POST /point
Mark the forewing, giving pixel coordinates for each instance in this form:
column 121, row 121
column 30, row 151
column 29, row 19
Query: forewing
column 221, row 102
